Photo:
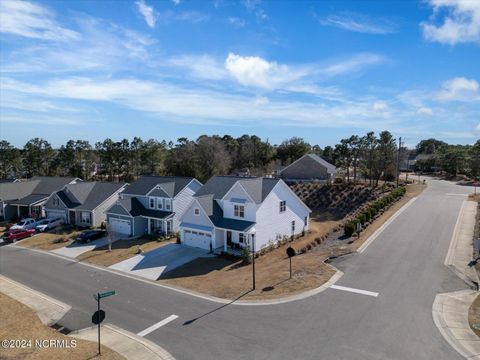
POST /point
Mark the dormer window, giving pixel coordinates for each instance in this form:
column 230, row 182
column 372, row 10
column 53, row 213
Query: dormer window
column 239, row 211
column 196, row 211
column 152, row 203
column 283, row 206
column 159, row 204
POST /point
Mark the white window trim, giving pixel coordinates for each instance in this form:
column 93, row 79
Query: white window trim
column 284, row 206
column 159, row 203
column 293, row 226
column 196, row 211
column 85, row 217
column 150, row 199
column 168, row 204
column 239, row 206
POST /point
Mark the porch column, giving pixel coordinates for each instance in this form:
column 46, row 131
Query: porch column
column 149, row 228
column 164, row 227
column 225, row 240
column 18, row 210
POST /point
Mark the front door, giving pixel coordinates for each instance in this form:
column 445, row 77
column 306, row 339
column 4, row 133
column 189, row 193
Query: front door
column 229, row 238
column 72, row 217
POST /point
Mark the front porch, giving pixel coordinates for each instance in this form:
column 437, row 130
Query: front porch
column 234, row 241
column 159, row 226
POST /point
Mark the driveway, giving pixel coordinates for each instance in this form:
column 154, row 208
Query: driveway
column 76, row 249
column 156, row 262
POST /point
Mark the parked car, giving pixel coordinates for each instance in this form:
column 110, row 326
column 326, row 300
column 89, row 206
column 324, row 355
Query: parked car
column 24, row 224
column 17, row 234
column 90, row 235
column 48, row 224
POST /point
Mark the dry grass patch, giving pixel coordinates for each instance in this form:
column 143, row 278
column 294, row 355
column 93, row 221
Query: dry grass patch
column 121, row 250
column 47, row 241
column 20, row 322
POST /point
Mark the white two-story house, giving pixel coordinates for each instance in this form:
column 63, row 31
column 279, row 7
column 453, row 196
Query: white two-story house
column 152, row 205
column 231, row 212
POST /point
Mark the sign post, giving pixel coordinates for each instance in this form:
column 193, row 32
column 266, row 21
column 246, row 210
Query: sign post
column 290, row 253
column 99, row 315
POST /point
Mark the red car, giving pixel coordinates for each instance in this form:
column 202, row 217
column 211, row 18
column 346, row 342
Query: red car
column 18, row 234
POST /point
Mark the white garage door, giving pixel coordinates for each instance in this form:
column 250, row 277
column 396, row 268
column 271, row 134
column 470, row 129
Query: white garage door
column 197, row 239
column 56, row 213
column 121, row 226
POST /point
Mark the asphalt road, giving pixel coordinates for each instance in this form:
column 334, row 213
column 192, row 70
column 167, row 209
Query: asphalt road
column 404, row 265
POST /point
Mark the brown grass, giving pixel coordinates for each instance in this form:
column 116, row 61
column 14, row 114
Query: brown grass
column 121, row 250
column 230, row 279
column 20, row 322
column 47, row 241
column 474, row 315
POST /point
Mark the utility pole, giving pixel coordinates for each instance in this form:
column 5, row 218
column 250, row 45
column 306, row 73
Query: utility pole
column 398, row 158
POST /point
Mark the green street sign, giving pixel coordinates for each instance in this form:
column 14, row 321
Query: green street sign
column 106, row 294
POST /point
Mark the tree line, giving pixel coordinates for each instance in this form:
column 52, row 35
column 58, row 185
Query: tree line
column 370, row 157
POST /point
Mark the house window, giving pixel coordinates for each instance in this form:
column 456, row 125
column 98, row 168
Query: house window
column 239, row 211
column 293, row 226
column 85, row 217
column 168, row 204
column 306, row 220
column 283, row 206
column 196, row 211
column 159, row 204
column 152, row 203
column 241, row 238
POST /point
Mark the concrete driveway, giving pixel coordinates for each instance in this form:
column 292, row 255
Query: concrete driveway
column 156, row 262
column 76, row 249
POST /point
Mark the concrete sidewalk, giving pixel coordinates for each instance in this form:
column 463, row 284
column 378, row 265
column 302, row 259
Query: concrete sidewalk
column 125, row 343
column 50, row 310
column 450, row 310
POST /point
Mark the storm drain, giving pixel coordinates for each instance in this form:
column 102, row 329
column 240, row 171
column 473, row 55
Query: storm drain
column 61, row 329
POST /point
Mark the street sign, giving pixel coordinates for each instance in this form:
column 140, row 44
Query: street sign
column 106, row 294
column 98, row 316
column 290, row 252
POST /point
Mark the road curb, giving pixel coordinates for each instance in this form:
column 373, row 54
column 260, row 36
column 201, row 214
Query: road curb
column 202, row 296
column 48, row 309
column 118, row 340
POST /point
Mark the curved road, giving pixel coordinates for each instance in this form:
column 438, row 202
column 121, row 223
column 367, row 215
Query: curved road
column 404, row 265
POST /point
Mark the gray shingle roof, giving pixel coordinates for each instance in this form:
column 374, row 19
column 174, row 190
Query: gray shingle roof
column 49, row 184
column 171, row 185
column 88, row 195
column 29, row 199
column 18, row 190
column 256, row 187
column 331, row 169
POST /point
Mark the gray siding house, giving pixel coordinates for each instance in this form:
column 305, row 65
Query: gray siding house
column 83, row 204
column 27, row 198
column 309, row 167
column 152, row 205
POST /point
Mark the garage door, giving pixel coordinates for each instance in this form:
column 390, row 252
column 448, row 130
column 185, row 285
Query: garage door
column 197, row 239
column 120, row 226
column 56, row 213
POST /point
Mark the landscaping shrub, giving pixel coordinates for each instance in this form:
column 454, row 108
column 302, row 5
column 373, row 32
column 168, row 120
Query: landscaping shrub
column 338, row 180
column 318, row 240
column 361, row 218
column 246, row 255
column 349, row 228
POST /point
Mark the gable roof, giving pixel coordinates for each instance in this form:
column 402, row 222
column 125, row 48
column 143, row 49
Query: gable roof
column 171, row 185
column 331, row 169
column 17, row 190
column 49, row 184
column 256, row 187
column 88, row 195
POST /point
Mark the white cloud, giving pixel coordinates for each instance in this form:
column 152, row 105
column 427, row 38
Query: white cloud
column 30, row 20
column 354, row 63
column 147, row 12
column 358, row 23
column 458, row 88
column 461, row 24
column 380, row 106
column 261, row 100
column 235, row 21
column 477, row 128
column 176, row 2
column 200, row 66
column 425, row 111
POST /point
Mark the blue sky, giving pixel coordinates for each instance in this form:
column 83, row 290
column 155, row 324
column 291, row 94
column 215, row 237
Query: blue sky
column 321, row 70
